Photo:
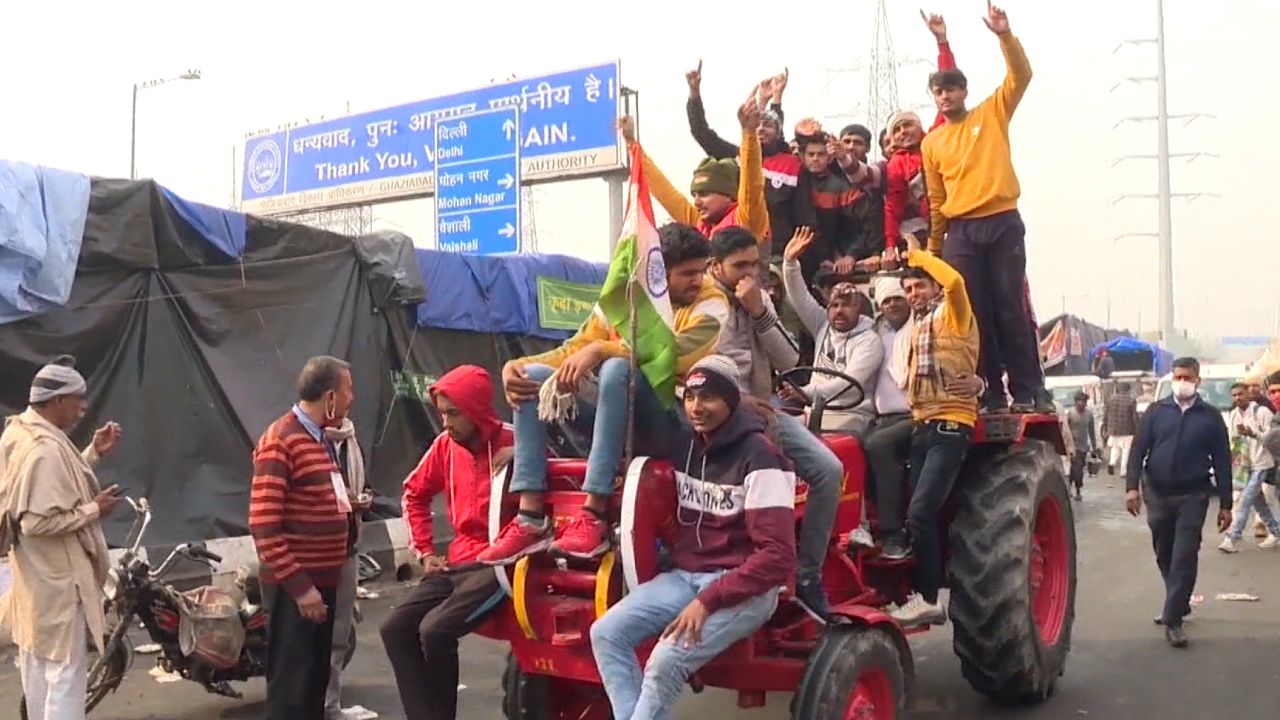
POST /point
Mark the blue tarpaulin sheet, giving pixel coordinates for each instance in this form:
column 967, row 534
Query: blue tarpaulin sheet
column 42, row 217
column 1162, row 360
column 223, row 229
column 494, row 294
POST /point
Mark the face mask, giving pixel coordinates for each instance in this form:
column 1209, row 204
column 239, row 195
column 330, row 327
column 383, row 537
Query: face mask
column 1184, row 389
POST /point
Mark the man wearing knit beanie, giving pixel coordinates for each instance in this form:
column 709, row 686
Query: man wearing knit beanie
column 734, row 546
column 51, row 507
column 720, row 199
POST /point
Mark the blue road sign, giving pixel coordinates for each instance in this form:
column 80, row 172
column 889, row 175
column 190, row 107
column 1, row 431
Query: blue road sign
column 478, row 183
column 1247, row 341
column 567, row 123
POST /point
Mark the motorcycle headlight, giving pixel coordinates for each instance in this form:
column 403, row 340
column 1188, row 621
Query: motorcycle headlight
column 111, row 586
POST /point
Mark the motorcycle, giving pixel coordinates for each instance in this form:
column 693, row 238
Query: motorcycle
column 134, row 590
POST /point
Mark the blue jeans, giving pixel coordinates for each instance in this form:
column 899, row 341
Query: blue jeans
column 606, row 422
column 651, row 694
column 1251, row 498
column 818, row 466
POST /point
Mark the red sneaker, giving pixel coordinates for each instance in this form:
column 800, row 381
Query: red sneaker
column 515, row 541
column 586, row 536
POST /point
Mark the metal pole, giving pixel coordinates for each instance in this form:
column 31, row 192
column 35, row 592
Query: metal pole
column 617, row 205
column 133, row 137
column 1165, row 251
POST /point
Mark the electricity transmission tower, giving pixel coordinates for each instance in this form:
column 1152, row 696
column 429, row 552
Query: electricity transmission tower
column 882, row 97
column 1164, row 195
column 350, row 221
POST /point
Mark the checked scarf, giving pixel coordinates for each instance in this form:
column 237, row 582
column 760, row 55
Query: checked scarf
column 922, row 348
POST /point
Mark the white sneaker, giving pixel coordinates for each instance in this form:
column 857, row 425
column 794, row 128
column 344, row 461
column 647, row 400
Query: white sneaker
column 859, row 537
column 1229, row 546
column 1270, row 542
column 919, row 612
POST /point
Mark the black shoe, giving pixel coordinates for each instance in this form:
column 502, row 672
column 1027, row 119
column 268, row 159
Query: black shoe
column 991, row 407
column 1078, row 494
column 1111, row 469
column 896, row 546
column 1044, row 404
column 812, row 598
column 1175, row 636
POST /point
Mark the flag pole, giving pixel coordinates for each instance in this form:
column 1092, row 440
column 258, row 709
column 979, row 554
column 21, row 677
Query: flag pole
column 631, row 372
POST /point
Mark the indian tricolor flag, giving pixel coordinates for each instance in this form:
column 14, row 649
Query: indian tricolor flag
column 637, row 282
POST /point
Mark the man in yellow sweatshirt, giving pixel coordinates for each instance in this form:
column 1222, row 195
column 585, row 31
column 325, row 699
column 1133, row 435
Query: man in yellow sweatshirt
column 973, row 205
column 943, row 348
column 701, row 310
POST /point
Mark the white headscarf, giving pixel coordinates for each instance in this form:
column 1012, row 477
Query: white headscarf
column 56, row 379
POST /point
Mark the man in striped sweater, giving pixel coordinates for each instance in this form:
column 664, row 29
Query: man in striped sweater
column 302, row 522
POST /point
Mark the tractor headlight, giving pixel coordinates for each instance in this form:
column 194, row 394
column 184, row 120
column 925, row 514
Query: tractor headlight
column 111, row 586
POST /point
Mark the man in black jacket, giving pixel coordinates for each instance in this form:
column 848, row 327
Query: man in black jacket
column 1182, row 441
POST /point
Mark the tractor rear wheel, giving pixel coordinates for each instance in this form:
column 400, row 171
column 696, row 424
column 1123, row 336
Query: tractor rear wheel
column 856, row 673
column 1012, row 572
column 539, row 697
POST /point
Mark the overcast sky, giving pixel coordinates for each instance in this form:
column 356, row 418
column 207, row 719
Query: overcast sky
column 66, row 70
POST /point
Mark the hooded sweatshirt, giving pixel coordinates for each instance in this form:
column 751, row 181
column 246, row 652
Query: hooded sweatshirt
column 857, row 353
column 758, row 346
column 462, row 471
column 735, row 510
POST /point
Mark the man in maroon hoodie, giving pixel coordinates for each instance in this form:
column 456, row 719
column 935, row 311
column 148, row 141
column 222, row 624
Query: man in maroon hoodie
column 421, row 636
column 734, row 547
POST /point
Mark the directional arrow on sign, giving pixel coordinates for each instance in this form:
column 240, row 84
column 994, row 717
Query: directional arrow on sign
column 509, row 127
column 507, row 230
column 506, row 182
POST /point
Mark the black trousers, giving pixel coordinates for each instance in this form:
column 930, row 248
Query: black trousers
column 1076, row 476
column 1176, row 522
column 421, row 639
column 297, row 656
column 938, row 449
column 990, row 253
column 888, row 446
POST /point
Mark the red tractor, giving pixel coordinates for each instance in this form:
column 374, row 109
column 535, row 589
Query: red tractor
column 1010, row 546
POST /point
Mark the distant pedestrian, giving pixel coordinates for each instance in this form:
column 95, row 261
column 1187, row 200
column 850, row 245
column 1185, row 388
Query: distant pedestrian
column 1249, row 422
column 1084, row 438
column 1104, row 365
column 300, row 516
column 1184, row 451
column 50, row 513
column 1119, row 424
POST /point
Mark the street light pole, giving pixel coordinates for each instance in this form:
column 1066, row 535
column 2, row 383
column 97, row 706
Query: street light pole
column 133, row 124
column 1165, row 227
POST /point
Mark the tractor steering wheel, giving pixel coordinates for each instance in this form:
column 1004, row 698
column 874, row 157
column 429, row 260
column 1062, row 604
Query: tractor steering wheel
column 855, row 387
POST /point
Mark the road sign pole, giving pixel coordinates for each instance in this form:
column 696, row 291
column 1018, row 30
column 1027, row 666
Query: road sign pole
column 617, row 207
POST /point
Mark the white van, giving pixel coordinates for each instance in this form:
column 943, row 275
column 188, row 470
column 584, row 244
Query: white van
column 1215, row 385
column 1064, row 389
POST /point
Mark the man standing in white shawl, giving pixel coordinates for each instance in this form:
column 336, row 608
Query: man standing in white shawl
column 50, row 508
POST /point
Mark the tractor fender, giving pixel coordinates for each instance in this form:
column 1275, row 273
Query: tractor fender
column 872, row 617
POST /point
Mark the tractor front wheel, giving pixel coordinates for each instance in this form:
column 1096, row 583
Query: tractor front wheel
column 1012, row 572
column 856, row 673
column 540, row 697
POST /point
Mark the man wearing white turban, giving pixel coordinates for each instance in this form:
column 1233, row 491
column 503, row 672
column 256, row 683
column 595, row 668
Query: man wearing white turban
column 50, row 508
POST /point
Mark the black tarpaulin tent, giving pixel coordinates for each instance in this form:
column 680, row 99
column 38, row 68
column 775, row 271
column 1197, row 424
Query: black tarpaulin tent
column 195, row 351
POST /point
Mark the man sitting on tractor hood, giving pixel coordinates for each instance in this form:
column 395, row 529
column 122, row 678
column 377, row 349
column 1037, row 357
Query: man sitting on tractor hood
column 700, row 311
column 756, row 343
column 421, row 635
column 944, row 346
column 734, row 546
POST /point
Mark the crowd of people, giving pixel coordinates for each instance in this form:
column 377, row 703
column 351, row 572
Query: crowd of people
column 766, row 266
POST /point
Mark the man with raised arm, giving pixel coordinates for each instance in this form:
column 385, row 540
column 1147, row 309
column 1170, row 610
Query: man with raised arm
column 973, row 204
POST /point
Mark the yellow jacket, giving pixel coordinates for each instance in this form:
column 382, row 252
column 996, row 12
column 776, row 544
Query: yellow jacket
column 697, row 330
column 968, row 166
column 751, row 213
column 955, row 348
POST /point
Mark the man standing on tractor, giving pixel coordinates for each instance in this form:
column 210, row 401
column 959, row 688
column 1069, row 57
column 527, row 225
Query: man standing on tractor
column 594, row 363
column 944, row 346
column 973, row 203
column 421, row 635
column 734, row 547
column 756, row 343
column 1184, row 455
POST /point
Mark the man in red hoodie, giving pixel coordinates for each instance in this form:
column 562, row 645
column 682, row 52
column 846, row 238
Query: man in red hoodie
column 421, row 636
column 906, row 205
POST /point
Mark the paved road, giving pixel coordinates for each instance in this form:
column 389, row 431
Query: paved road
column 1119, row 668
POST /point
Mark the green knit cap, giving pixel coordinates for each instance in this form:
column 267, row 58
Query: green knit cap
column 716, row 176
